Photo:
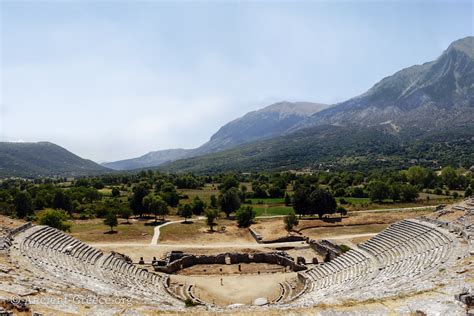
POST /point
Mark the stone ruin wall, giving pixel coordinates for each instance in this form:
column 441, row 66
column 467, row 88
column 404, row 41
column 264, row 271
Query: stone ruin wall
column 235, row 258
column 324, row 246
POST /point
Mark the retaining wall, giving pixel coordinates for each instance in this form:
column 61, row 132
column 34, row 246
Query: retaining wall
column 235, row 258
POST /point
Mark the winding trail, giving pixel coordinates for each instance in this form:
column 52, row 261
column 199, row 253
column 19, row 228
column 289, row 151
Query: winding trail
column 156, row 232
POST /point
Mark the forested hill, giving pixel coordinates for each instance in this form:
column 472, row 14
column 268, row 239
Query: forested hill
column 343, row 148
column 43, row 159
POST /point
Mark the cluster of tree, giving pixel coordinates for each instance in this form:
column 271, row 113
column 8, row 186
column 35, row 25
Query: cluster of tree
column 310, row 200
column 153, row 192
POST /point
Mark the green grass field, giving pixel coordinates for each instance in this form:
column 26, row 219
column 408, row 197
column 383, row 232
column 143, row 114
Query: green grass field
column 354, row 200
column 267, row 201
column 275, row 210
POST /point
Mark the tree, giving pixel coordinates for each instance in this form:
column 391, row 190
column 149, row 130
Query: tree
column 115, row 192
column 276, row 192
column 186, row 211
column 287, row 199
column 449, row 177
column 290, row 220
column 468, row 192
column 395, row 189
column 211, row 216
column 91, row 194
column 155, row 204
column 417, row 175
column 98, row 184
column 136, row 201
column 198, row 206
column 230, row 201
column 56, row 219
column 245, row 216
column 301, row 202
column 408, row 193
column 378, row 191
column 125, row 213
column 322, row 202
column 23, row 204
column 169, row 194
column 62, row 201
column 259, row 191
column 111, row 220
column 228, row 183
column 213, row 201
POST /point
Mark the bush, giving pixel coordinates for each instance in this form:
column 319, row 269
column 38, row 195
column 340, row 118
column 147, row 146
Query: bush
column 190, row 303
column 56, row 219
column 290, row 221
column 341, row 210
column 86, row 214
column 245, row 216
column 344, row 248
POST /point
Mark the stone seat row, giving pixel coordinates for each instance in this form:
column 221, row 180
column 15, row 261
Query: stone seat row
column 62, row 254
column 405, row 250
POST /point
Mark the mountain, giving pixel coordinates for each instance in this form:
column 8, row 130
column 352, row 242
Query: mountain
column 422, row 114
column 153, row 158
column 344, row 148
column 430, row 96
column 274, row 120
column 43, row 159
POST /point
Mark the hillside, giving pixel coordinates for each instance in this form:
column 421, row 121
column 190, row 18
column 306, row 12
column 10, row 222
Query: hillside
column 153, row 158
column 422, row 114
column 43, row 159
column 345, row 148
column 272, row 121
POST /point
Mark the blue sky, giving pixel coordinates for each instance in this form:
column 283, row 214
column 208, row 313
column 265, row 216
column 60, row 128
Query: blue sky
column 113, row 80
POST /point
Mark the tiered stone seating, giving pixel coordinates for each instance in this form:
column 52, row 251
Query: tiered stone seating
column 60, row 254
column 404, row 251
column 287, row 292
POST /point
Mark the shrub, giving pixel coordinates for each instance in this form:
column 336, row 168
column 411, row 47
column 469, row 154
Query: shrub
column 341, row 210
column 56, row 219
column 344, row 248
column 245, row 216
column 290, row 221
column 190, row 303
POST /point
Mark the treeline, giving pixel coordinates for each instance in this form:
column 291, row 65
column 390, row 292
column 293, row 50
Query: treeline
column 153, row 192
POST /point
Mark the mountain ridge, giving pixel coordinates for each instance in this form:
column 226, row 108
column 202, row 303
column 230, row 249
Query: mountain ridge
column 44, row 159
column 273, row 120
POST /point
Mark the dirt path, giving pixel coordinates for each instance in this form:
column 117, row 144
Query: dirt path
column 228, row 245
column 156, row 232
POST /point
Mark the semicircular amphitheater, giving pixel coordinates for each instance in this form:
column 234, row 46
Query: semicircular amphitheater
column 404, row 261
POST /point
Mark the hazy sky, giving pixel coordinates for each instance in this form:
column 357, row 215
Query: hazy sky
column 113, row 80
